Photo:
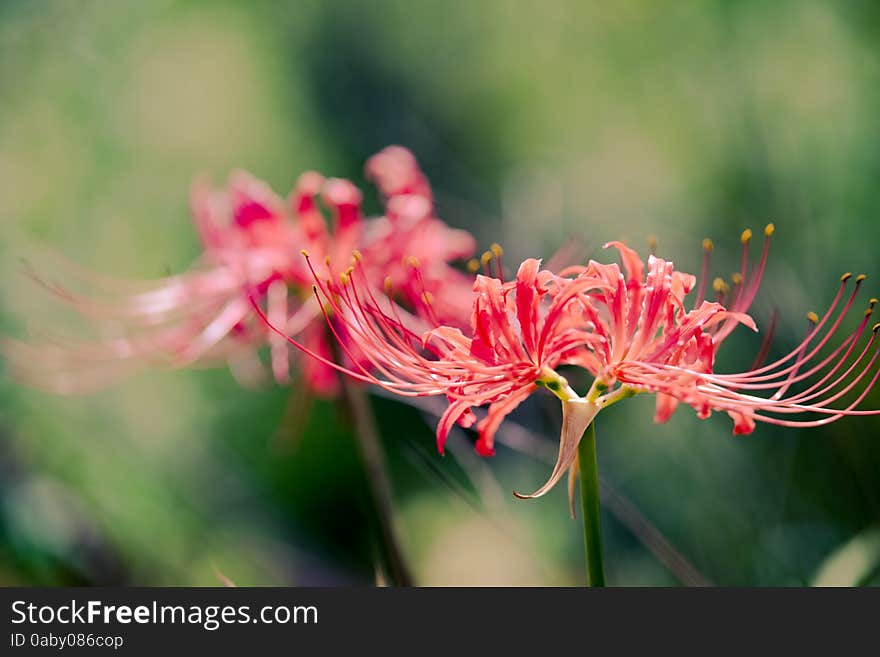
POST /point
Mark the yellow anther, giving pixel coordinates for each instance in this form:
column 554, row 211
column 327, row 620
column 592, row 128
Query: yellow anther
column 496, row 250
column 327, row 260
column 719, row 285
column 411, row 261
column 860, row 278
column 707, row 244
column 357, row 256
column 343, row 278
column 427, row 298
column 872, row 301
column 768, row 230
column 388, row 285
column 813, row 317
column 746, row 235
column 846, row 277
column 876, row 327
column 486, row 258
column 652, row 242
column 473, row 265
column 305, row 253
column 736, row 278
column 869, row 310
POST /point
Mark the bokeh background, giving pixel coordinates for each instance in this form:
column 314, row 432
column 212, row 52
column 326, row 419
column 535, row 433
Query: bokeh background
column 536, row 123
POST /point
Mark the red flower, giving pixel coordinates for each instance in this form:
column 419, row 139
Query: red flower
column 633, row 332
column 520, row 332
column 252, row 241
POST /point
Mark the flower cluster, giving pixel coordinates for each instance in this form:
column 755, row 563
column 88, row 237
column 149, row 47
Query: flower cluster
column 632, row 328
column 252, row 241
column 318, row 273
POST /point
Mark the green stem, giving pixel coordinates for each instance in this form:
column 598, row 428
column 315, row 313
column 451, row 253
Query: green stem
column 372, row 459
column 589, row 475
column 378, row 483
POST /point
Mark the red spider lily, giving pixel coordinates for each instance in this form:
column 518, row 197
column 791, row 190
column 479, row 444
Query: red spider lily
column 678, row 362
column 514, row 346
column 251, row 242
column 633, row 332
column 202, row 315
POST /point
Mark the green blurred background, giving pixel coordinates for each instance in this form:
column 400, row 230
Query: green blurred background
column 535, row 122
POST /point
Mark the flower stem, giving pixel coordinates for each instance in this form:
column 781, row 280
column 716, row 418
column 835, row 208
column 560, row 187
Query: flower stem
column 378, row 482
column 589, row 475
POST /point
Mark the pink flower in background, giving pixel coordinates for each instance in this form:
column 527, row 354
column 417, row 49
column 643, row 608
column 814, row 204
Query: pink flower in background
column 252, row 241
column 633, row 331
column 409, row 247
column 202, row 315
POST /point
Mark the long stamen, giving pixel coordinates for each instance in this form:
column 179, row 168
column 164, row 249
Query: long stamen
column 400, row 354
column 767, row 342
column 747, row 288
column 704, row 272
column 486, row 262
column 816, row 389
column 721, row 289
column 788, row 407
column 423, row 295
column 498, row 252
column 745, row 238
column 754, row 374
column 776, row 378
column 831, row 331
column 327, row 292
column 813, row 319
column 389, row 294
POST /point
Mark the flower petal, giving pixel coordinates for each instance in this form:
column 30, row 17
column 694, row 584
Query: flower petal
column 666, row 405
column 527, row 300
column 743, row 422
column 576, row 417
column 632, row 262
column 499, row 410
column 450, row 417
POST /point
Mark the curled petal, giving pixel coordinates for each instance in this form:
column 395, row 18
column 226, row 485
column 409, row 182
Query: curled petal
column 450, row 416
column 467, row 419
column 632, row 262
column 743, row 422
column 576, row 417
column 499, row 410
column 666, row 405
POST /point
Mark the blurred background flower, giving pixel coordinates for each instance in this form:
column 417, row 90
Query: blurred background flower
column 534, row 123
